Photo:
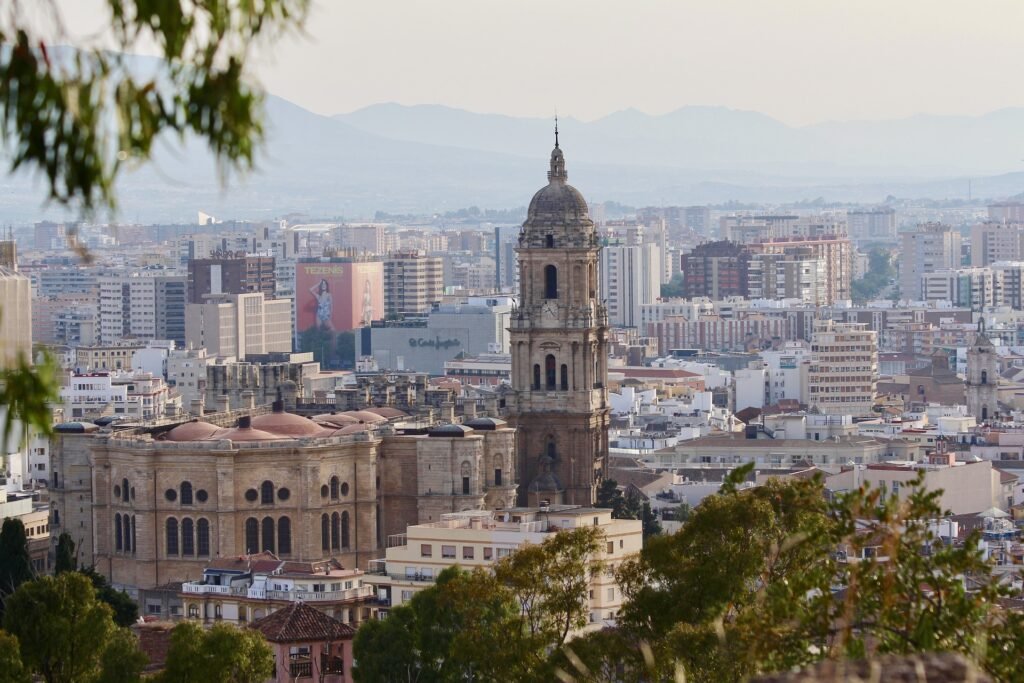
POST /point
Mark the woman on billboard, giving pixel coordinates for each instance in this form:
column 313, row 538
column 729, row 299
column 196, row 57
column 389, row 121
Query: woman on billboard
column 324, row 304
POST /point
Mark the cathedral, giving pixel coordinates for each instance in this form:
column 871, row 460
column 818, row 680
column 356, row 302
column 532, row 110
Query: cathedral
column 559, row 343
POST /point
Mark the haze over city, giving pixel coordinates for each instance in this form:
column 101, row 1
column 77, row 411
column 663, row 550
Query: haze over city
column 590, row 341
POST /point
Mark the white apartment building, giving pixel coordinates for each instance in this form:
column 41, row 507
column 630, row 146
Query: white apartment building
column 843, row 374
column 931, row 247
column 872, row 224
column 478, row 538
column 134, row 395
column 240, row 325
column 630, row 277
column 142, row 305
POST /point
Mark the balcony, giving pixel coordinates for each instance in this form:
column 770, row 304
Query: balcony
column 300, row 666
column 207, row 589
column 361, row 593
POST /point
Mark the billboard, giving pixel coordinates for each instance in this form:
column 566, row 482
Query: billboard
column 338, row 293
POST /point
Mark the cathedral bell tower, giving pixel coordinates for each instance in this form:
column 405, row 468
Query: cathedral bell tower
column 982, row 382
column 559, row 342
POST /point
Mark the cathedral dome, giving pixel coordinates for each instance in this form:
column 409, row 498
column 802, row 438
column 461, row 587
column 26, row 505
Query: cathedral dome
column 558, row 204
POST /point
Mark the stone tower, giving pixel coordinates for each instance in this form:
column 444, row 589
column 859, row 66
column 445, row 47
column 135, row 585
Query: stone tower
column 559, row 337
column 982, row 383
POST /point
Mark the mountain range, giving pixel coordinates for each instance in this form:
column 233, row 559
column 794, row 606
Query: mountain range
column 431, row 158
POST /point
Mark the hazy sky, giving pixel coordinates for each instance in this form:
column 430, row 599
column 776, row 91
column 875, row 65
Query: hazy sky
column 801, row 61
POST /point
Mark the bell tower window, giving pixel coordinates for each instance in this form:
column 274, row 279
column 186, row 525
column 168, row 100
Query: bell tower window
column 536, row 376
column 984, row 376
column 550, row 282
column 549, row 371
column 549, row 241
column 565, row 377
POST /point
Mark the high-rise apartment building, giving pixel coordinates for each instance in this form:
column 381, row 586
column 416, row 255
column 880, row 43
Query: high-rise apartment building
column 142, row 305
column 931, row 247
column 993, row 241
column 716, row 270
column 15, row 317
column 834, row 250
column 630, row 279
column 1009, row 212
column 974, row 288
column 413, row 282
column 365, row 238
column 843, row 375
column 230, row 273
column 795, row 275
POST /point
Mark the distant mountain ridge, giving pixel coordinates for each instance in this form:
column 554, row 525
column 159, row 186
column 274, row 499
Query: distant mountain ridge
column 702, row 137
column 429, row 159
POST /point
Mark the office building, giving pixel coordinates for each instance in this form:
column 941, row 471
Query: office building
column 240, row 325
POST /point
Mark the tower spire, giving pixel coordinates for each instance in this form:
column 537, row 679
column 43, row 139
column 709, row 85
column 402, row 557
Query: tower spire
column 556, row 129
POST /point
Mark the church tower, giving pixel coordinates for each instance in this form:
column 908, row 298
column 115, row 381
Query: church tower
column 982, row 384
column 559, row 342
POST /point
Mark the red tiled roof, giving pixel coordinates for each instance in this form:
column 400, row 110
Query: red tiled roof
column 299, row 623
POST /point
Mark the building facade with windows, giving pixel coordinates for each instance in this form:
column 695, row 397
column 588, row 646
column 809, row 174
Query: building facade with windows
column 479, row 538
column 843, row 376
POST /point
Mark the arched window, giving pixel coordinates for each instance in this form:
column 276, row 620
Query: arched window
column 335, row 531
column 550, row 282
column 549, row 371
column 325, row 531
column 203, row 537
column 268, row 533
column 984, row 376
column 565, row 377
column 551, row 447
column 284, row 536
column 129, row 542
column 344, row 531
column 186, row 493
column 134, row 547
column 536, row 376
column 124, row 490
column 117, row 532
column 334, row 488
column 252, row 536
column 549, row 241
column 188, row 537
column 172, row 536
column 267, row 493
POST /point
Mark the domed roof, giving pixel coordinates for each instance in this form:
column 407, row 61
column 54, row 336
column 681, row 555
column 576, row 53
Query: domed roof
column 486, row 423
column 249, row 434
column 557, row 203
column 365, row 416
column 352, row 429
column 192, row 431
column 287, row 424
column 450, row 430
column 386, row 411
column 335, row 419
column 75, row 427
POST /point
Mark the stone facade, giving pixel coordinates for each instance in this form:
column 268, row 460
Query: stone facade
column 150, row 506
column 982, row 383
column 559, row 338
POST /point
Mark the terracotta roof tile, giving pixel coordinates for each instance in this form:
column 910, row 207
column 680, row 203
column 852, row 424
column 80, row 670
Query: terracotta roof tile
column 298, row 623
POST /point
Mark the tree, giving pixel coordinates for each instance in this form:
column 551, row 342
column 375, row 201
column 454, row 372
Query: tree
column 651, row 525
column 222, row 654
column 385, row 650
column 673, row 288
column 11, row 668
column 551, row 580
column 81, row 117
column 319, row 340
column 66, row 635
column 15, row 564
column 65, row 560
column 126, row 612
